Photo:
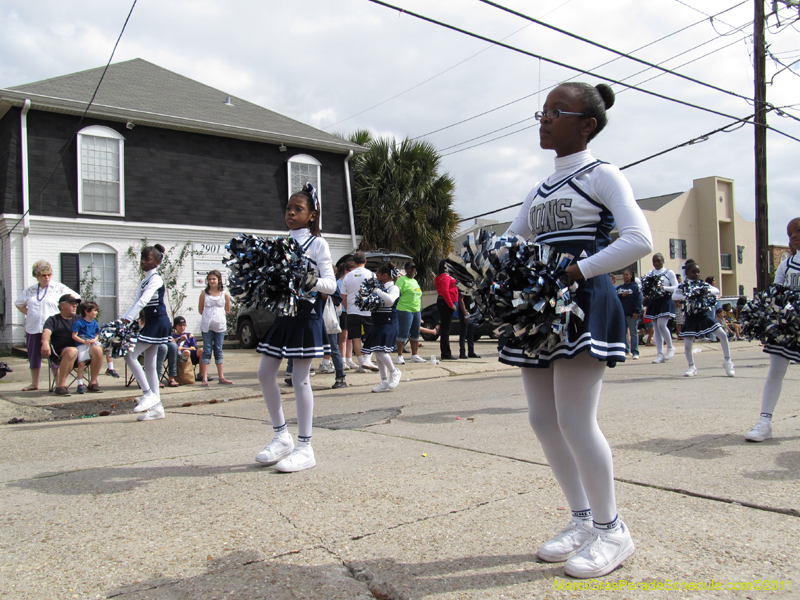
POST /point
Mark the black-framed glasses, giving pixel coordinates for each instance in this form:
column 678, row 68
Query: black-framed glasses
column 555, row 113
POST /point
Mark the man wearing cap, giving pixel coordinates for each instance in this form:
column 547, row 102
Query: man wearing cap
column 58, row 334
column 183, row 347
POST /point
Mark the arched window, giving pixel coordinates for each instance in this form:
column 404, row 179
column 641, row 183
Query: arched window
column 98, row 277
column 303, row 168
column 101, row 180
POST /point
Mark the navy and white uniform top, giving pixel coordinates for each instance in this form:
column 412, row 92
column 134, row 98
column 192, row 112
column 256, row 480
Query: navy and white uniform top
column 150, row 301
column 788, row 274
column 304, row 335
column 663, row 307
column 574, row 210
column 697, row 325
column 383, row 336
column 389, row 293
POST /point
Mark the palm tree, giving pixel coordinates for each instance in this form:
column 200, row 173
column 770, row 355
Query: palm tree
column 401, row 201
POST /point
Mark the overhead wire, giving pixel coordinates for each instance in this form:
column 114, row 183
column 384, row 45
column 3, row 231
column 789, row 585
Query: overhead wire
column 68, row 145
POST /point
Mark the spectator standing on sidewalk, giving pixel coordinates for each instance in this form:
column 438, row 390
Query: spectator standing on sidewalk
column 359, row 322
column 631, row 297
column 446, row 305
column 409, row 314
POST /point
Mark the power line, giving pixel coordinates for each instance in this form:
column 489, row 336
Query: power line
column 77, row 127
column 608, row 49
column 594, row 68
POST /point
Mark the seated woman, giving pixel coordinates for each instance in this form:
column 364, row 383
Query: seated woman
column 732, row 328
column 186, row 349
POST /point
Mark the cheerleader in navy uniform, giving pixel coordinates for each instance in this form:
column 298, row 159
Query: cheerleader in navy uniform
column 157, row 330
column 697, row 323
column 574, row 210
column 661, row 310
column 302, row 338
column 780, row 355
column 382, row 339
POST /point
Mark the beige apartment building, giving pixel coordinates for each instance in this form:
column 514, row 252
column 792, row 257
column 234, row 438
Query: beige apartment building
column 700, row 223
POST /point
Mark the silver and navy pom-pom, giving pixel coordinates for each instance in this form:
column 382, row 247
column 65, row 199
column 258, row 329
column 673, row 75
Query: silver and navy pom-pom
column 269, row 273
column 653, row 287
column 367, row 299
column 118, row 336
column 698, row 298
column 521, row 287
column 773, row 316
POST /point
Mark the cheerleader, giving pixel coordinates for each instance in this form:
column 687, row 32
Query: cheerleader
column 574, row 210
column 157, row 330
column 382, row 340
column 301, row 338
column 780, row 355
column 662, row 309
column 697, row 322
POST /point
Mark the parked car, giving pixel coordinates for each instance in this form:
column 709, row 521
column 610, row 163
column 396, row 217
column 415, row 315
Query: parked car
column 430, row 319
column 252, row 323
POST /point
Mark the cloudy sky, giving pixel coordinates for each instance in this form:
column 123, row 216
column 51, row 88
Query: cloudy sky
column 342, row 65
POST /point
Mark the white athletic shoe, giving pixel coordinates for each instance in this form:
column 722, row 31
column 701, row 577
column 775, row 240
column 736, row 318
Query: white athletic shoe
column 147, row 401
column 691, row 371
column 279, row 448
column 301, row 458
column 761, row 431
column 157, row 412
column 394, row 379
column 601, row 554
column 368, row 364
column 728, row 366
column 326, row 368
column 383, row 386
column 345, row 365
column 417, row 358
column 567, row 542
column 635, row 357
column 658, row 359
column 399, row 360
column 351, row 364
column 360, row 369
column 670, row 353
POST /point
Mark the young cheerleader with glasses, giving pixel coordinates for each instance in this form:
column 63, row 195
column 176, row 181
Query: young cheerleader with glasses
column 574, row 210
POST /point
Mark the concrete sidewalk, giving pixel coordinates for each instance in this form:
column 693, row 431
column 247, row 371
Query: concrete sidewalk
column 436, row 491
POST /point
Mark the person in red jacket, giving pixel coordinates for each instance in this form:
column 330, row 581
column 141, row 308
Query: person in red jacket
column 446, row 304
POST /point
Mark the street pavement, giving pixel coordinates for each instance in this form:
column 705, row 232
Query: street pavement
column 437, row 490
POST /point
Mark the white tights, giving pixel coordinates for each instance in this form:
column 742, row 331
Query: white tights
column 304, row 397
column 147, row 378
column 688, row 341
column 562, row 410
column 661, row 334
column 385, row 364
column 772, row 386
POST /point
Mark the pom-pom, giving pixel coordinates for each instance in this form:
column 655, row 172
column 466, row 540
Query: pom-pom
column 367, row 299
column 269, row 273
column 521, row 287
column 698, row 298
column 119, row 336
column 772, row 316
column 653, row 287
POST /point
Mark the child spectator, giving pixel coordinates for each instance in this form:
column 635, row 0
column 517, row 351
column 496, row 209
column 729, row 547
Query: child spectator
column 85, row 333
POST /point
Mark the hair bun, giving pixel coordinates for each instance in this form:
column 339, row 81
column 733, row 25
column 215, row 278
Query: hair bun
column 606, row 93
column 159, row 247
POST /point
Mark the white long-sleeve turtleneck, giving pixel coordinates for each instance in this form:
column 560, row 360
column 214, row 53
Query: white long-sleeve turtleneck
column 607, row 185
column 320, row 253
column 147, row 288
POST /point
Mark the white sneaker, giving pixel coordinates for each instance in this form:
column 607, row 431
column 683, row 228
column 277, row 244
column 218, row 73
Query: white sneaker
column 368, row 364
column 345, row 365
column 728, row 366
column 691, row 371
column 147, row 401
column 658, row 359
column 279, row 448
column 399, row 360
column 383, row 386
column 670, row 353
column 326, row 368
column 301, row 458
column 351, row 364
column 601, row 554
column 761, row 431
column 417, row 358
column 394, row 379
column 157, row 412
column 635, row 357
column 568, row 541
column 360, row 369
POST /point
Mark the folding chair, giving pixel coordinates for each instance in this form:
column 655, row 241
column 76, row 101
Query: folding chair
column 53, row 362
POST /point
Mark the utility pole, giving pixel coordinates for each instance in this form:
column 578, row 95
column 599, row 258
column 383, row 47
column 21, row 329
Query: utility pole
column 760, row 122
